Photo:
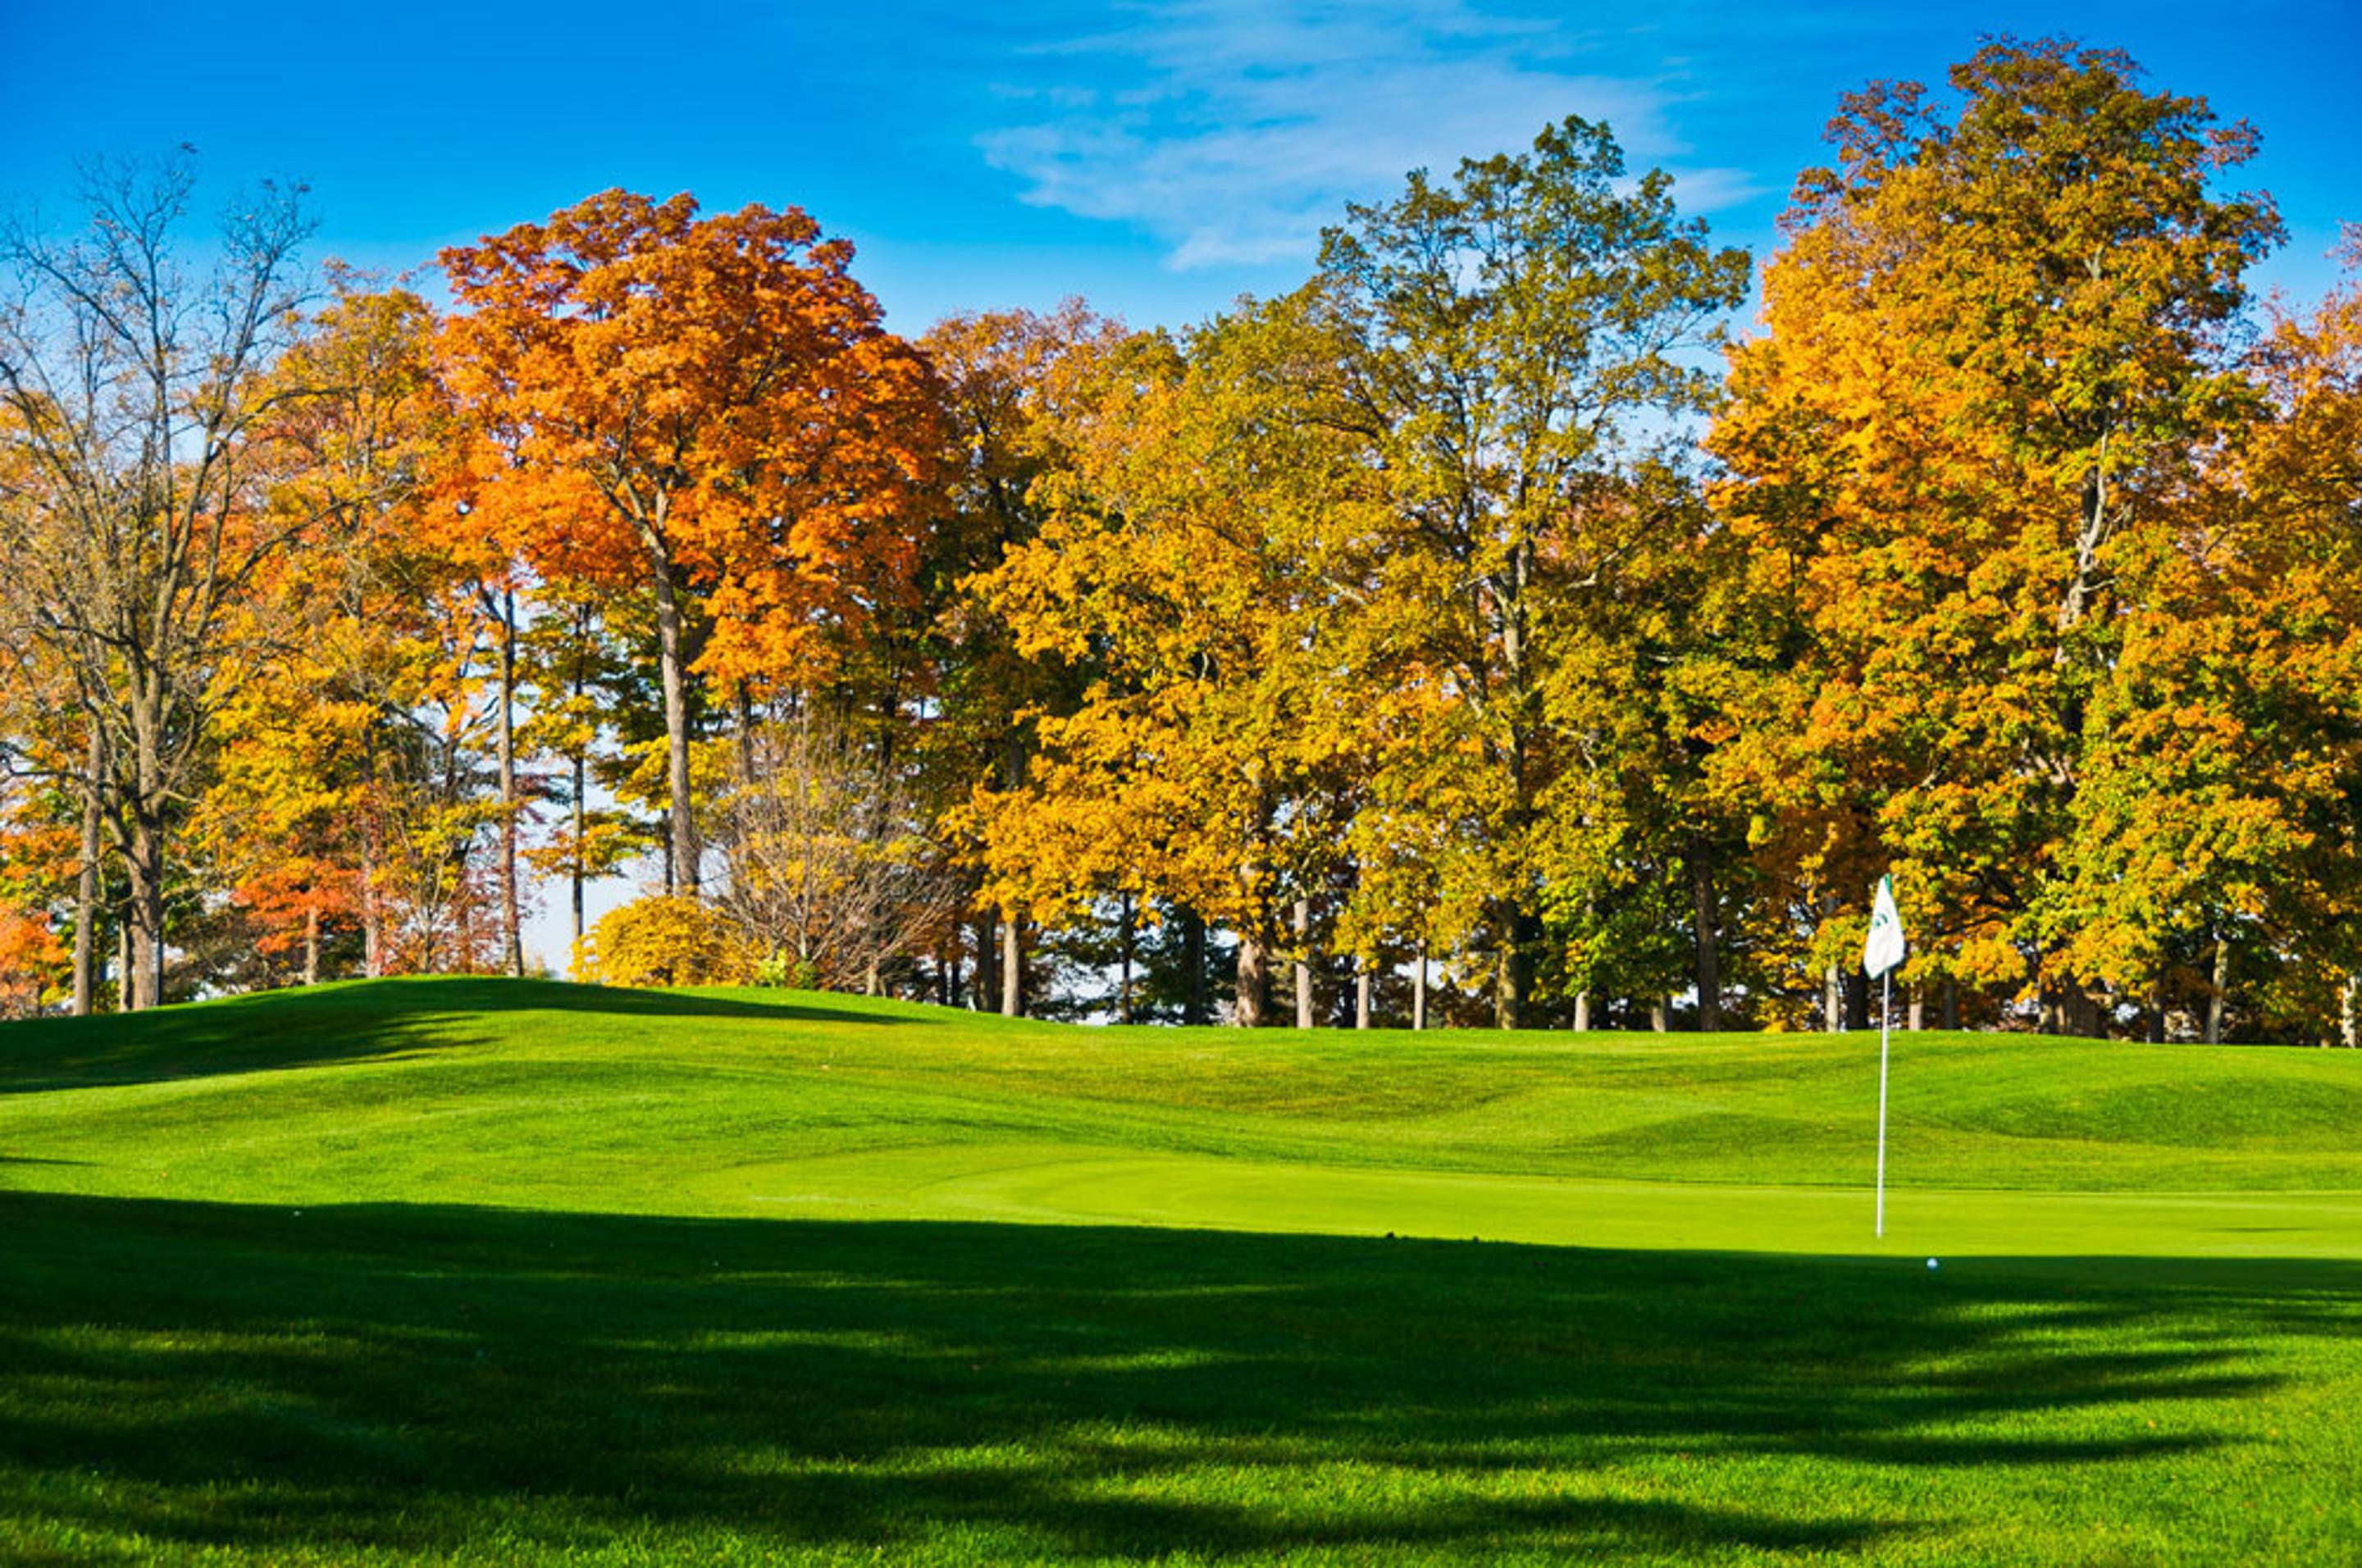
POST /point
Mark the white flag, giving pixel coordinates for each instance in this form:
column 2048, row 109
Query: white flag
column 1885, row 948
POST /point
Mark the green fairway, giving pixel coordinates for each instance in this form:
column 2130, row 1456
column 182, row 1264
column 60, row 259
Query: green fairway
column 436, row 1269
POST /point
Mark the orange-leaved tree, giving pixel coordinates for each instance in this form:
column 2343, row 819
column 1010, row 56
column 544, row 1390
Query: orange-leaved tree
column 37, row 865
column 707, row 409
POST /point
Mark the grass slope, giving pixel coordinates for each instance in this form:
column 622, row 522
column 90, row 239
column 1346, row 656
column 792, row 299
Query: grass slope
column 456, row 1269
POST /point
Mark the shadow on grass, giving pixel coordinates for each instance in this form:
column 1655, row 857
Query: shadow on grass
column 345, row 1022
column 339, row 1380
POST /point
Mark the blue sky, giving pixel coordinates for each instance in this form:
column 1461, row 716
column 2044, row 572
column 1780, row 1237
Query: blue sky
column 1158, row 159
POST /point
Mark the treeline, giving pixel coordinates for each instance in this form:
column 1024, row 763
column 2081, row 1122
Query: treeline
column 1479, row 632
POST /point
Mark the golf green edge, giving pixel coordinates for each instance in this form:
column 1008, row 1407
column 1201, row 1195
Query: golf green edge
column 478, row 1270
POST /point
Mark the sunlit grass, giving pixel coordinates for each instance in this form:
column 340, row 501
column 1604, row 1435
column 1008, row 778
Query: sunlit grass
column 432, row 1270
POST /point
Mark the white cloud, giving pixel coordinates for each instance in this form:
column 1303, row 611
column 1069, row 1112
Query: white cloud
column 1232, row 130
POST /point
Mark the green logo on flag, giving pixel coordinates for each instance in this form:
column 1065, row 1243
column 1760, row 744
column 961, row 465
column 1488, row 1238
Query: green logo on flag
column 1885, row 948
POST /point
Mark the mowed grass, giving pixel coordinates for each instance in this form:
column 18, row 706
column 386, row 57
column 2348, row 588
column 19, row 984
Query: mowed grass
column 486, row 1271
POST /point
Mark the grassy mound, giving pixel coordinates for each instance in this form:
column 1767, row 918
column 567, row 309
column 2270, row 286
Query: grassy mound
column 424, row 1270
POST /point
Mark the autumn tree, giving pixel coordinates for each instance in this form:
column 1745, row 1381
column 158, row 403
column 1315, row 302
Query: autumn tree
column 1194, row 542
column 49, row 741
column 136, row 389
column 706, row 409
column 581, row 669
column 31, row 960
column 480, row 535
column 295, row 812
column 2219, row 831
column 1011, row 381
column 39, row 869
column 2303, row 477
column 833, row 873
column 1995, row 344
column 1520, row 337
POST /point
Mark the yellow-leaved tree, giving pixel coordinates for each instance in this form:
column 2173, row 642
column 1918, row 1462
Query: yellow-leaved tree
column 1195, row 541
column 1995, row 352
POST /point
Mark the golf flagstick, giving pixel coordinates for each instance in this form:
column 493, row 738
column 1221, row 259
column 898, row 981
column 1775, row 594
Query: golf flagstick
column 1881, row 954
column 1885, row 1012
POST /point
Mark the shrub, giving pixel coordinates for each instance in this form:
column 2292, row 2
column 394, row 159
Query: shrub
column 664, row 939
column 786, row 970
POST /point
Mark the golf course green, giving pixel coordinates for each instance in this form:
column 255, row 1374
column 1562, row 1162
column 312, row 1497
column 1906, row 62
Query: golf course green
column 472, row 1270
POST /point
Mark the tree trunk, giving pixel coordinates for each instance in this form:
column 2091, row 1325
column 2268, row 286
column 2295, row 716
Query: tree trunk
column 1517, row 923
column 512, row 919
column 1660, row 1014
column 1127, row 939
column 86, row 887
column 1856, row 998
column 575, row 868
column 681, row 849
column 2349, row 1013
column 1582, row 1013
column 1303, row 924
column 2091, row 531
column 1951, row 1004
column 1364, row 985
column 742, row 712
column 123, row 962
column 1710, row 966
column 1833, row 1001
column 147, row 927
column 146, row 864
column 451, row 873
column 1195, row 1011
column 1253, row 982
column 372, row 912
column 312, row 946
column 1013, row 966
column 1915, row 1016
column 1419, row 990
column 1519, row 930
column 463, row 918
column 2218, row 990
column 145, row 860
column 987, row 946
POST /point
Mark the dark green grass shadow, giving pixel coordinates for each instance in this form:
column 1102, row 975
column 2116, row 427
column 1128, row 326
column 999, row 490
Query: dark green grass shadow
column 351, row 1021
column 350, row 1379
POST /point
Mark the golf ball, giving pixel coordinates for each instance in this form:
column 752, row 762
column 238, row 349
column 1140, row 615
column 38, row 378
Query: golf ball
column 1931, row 1263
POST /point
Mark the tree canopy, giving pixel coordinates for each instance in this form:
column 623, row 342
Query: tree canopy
column 1493, row 628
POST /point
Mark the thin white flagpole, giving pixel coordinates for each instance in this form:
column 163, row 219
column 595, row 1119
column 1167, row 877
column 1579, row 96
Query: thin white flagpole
column 1885, row 1012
